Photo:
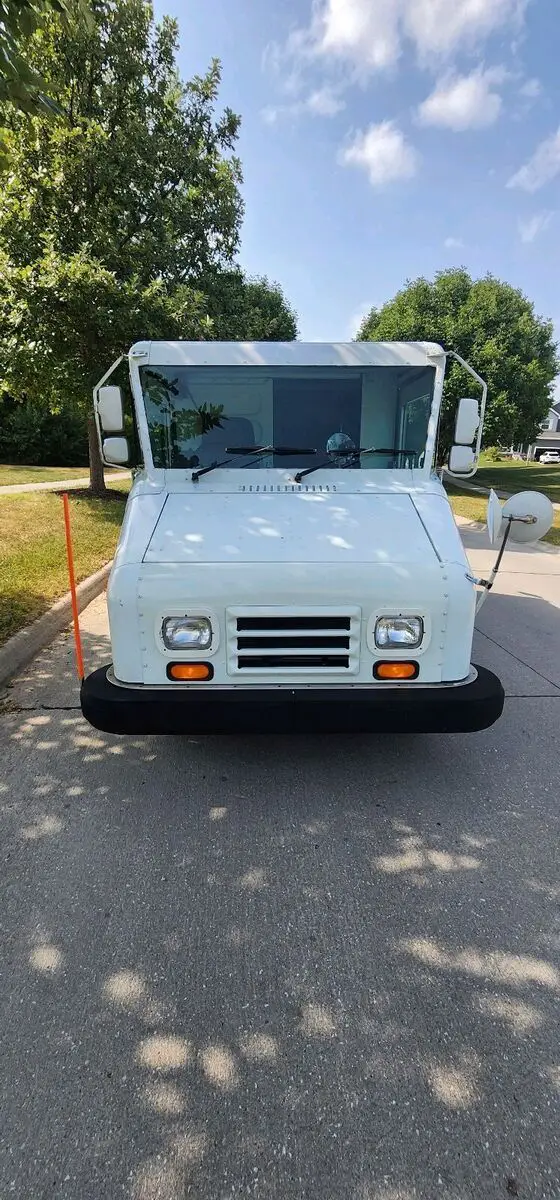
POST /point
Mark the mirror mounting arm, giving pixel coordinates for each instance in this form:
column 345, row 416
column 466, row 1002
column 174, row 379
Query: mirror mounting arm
column 488, row 584
column 96, row 390
column 467, row 367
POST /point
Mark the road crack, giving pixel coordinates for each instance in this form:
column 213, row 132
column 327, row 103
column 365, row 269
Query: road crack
column 516, row 658
column 7, row 707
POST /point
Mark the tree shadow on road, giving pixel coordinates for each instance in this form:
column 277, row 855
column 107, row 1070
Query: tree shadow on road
column 291, row 967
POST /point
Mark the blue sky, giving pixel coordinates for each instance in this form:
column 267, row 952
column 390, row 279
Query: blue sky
column 385, row 139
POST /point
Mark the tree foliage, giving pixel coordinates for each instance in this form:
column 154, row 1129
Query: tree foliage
column 120, row 218
column 63, row 318
column 20, row 82
column 21, row 85
column 494, row 327
column 248, row 309
column 139, row 168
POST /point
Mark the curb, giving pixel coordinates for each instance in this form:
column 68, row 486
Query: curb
column 24, row 645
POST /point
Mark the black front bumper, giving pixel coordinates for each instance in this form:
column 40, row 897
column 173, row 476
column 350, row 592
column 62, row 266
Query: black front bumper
column 457, row 708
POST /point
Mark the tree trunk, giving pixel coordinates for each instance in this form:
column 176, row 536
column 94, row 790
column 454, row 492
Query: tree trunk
column 96, row 475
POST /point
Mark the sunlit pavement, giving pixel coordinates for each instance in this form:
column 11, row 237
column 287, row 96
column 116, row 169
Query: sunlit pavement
column 285, row 968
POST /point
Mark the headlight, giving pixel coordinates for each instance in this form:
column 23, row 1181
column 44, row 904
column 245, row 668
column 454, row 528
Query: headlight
column 399, row 631
column 187, row 633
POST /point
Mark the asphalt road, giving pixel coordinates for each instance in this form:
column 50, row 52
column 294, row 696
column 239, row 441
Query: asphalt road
column 285, row 968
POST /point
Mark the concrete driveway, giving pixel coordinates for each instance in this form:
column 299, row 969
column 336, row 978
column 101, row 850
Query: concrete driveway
column 286, row 968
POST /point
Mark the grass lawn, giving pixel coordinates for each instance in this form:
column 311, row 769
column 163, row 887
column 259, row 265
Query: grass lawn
column 21, row 474
column 33, row 569
column 520, row 477
column 473, row 507
column 117, row 482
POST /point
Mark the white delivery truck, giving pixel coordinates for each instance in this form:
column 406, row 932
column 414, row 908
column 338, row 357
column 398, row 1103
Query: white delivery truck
column 288, row 559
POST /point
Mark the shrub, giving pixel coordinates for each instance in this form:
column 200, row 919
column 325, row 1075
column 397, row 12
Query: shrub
column 31, row 434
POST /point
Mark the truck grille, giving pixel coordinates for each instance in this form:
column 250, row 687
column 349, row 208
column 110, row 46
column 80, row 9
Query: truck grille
column 277, row 641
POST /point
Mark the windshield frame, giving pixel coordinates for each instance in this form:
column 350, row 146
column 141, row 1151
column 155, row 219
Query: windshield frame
column 296, row 356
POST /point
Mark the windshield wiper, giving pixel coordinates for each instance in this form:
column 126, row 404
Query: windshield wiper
column 241, row 453
column 350, row 455
column 270, row 449
column 254, row 451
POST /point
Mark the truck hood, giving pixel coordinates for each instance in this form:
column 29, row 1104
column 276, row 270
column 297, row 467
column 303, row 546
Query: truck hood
column 295, row 527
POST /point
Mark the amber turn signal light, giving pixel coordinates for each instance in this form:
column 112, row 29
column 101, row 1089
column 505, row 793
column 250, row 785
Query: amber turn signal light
column 395, row 670
column 190, row 672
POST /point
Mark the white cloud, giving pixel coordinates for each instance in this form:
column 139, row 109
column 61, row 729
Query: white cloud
column 370, row 33
column 453, row 243
column 531, row 89
column 323, row 102
column 541, row 168
column 367, row 33
column 382, row 151
column 443, row 26
column 462, row 102
column 530, row 229
column 271, row 113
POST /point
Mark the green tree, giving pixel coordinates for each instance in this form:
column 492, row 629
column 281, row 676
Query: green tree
column 64, row 320
column 248, row 309
column 119, row 218
column 114, row 214
column 21, row 86
column 20, row 83
column 138, row 168
column 494, row 327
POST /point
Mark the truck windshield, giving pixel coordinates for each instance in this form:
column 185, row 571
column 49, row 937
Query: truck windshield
column 197, row 414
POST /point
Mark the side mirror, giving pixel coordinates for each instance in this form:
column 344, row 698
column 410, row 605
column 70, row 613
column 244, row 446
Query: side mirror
column 115, row 451
column 529, row 515
column 462, row 460
column 467, row 421
column 525, row 517
column 110, row 409
column 493, row 517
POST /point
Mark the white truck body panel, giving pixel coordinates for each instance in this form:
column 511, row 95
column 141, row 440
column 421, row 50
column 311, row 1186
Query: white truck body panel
column 252, row 545
column 306, row 526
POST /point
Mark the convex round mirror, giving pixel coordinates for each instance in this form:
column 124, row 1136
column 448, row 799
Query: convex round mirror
column 528, row 504
column 532, row 514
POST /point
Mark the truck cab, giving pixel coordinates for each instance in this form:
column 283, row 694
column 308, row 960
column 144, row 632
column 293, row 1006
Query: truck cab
column 288, row 559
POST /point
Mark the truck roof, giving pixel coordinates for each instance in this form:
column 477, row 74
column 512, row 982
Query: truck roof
column 290, row 354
